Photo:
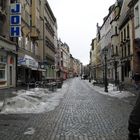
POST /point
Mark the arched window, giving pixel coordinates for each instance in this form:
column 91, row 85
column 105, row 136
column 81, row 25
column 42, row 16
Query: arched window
column 112, row 48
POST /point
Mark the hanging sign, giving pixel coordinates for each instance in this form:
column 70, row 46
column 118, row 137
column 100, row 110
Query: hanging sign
column 15, row 20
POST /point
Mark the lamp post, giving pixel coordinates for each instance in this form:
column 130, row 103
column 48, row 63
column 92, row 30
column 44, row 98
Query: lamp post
column 105, row 70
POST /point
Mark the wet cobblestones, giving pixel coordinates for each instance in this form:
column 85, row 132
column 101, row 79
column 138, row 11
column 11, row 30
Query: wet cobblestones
column 83, row 114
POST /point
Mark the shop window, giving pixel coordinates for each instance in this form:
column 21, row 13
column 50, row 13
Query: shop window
column 2, row 72
column 3, row 58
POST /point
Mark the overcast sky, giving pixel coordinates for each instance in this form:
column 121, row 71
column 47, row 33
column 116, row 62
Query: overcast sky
column 77, row 21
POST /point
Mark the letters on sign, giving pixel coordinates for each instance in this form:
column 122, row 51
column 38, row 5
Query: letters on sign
column 15, row 20
column 15, row 31
column 15, row 8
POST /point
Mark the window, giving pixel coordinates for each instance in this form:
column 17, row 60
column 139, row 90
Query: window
column 125, row 51
column 12, row 1
column 121, row 36
column 112, row 53
column 32, row 47
column 116, row 30
column 127, row 31
column 3, row 59
column 128, row 49
column 136, row 16
column 2, row 4
column 124, row 34
column 116, row 50
column 2, row 71
column 61, row 63
column 20, row 41
column 122, row 52
column 27, row 43
column 27, row 18
column 61, row 54
column 36, row 49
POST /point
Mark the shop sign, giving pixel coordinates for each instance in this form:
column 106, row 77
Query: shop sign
column 15, row 20
column 21, row 61
column 28, row 61
column 31, row 63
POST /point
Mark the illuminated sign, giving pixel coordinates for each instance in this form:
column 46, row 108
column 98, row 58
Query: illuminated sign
column 15, row 20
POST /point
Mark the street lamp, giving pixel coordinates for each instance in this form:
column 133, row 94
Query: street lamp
column 105, row 69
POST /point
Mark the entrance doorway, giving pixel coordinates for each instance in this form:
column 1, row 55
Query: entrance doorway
column 11, row 75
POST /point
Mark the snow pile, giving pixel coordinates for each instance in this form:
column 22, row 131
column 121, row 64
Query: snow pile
column 112, row 91
column 30, row 131
column 36, row 100
column 1, row 104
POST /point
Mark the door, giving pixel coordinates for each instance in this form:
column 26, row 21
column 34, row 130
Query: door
column 11, row 75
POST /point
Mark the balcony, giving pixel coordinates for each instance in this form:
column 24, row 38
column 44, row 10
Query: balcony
column 34, row 33
column 114, row 35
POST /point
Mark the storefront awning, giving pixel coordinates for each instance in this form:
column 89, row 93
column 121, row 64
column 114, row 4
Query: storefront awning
column 41, row 70
column 28, row 61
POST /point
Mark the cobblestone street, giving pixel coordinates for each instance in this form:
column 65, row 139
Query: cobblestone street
column 83, row 114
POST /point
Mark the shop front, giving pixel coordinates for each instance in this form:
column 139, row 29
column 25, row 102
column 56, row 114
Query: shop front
column 27, row 69
column 7, row 64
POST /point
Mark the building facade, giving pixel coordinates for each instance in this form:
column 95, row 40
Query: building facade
column 134, row 6
column 8, row 48
column 126, row 36
column 28, row 56
column 63, row 60
column 50, row 38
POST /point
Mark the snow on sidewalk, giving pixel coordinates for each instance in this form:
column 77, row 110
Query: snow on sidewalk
column 36, row 100
column 112, row 91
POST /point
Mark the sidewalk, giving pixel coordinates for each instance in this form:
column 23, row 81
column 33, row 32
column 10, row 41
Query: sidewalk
column 9, row 92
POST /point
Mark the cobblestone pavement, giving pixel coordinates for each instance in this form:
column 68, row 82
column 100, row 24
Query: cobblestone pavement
column 83, row 114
